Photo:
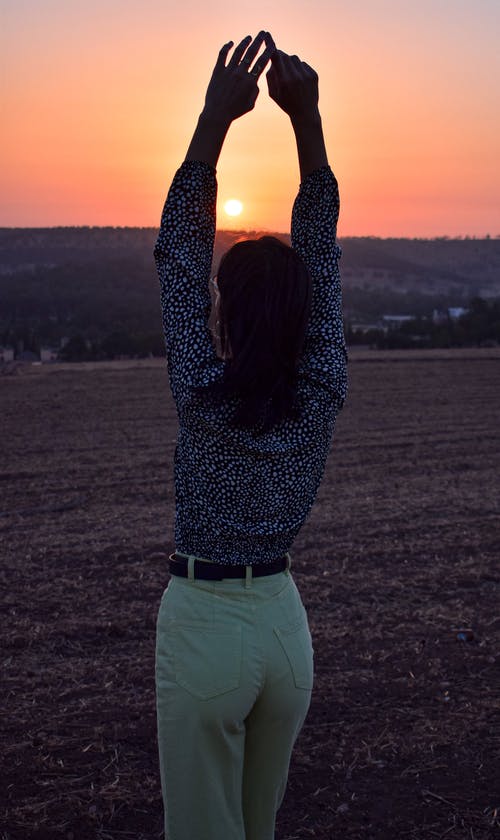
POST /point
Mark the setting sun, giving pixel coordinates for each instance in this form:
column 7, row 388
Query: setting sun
column 233, row 207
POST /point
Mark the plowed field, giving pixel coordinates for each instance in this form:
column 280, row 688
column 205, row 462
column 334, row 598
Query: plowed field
column 398, row 567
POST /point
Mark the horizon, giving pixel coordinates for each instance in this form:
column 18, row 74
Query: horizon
column 95, row 127
column 436, row 238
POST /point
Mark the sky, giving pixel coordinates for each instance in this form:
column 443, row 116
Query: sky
column 100, row 100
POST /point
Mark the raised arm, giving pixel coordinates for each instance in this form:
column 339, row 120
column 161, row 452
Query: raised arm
column 293, row 85
column 184, row 247
column 232, row 92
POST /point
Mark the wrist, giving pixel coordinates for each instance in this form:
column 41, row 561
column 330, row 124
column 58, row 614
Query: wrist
column 208, row 138
column 214, row 119
column 308, row 120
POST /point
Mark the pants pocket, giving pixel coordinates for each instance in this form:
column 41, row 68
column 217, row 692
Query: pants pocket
column 207, row 659
column 296, row 642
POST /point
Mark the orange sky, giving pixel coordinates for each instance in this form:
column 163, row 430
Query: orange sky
column 100, row 100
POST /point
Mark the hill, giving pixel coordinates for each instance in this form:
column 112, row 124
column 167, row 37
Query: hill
column 59, row 282
column 460, row 266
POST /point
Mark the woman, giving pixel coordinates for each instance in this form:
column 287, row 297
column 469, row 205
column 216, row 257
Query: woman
column 257, row 403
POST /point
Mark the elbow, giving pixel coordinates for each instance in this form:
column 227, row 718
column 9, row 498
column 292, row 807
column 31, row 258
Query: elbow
column 157, row 250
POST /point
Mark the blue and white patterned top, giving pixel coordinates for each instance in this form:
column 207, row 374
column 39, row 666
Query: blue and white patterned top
column 242, row 497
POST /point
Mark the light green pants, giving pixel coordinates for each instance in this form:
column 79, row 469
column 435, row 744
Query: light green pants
column 234, row 676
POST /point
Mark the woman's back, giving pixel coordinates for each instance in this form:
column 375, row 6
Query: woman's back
column 242, row 495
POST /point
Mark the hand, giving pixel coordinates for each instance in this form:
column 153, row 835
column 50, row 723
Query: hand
column 233, row 89
column 293, row 85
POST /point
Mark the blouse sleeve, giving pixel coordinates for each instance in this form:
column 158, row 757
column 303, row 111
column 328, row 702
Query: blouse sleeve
column 183, row 256
column 314, row 228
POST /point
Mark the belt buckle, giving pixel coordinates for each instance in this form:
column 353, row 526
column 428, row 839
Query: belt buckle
column 199, row 566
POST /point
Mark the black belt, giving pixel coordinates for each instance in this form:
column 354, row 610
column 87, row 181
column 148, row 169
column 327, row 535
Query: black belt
column 218, row 571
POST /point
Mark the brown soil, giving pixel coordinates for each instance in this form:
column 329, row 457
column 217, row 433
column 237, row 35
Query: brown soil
column 398, row 558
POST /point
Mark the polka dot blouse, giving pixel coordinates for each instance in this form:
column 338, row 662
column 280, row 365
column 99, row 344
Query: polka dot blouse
column 242, row 497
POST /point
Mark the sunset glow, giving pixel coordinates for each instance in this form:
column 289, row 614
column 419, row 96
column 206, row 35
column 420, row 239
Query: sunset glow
column 233, row 207
column 101, row 99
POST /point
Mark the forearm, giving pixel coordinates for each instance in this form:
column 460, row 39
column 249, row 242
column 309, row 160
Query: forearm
column 208, row 139
column 310, row 143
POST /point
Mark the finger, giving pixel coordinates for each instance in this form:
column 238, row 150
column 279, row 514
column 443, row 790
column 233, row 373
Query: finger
column 270, row 45
column 221, row 59
column 238, row 51
column 262, row 61
column 253, row 49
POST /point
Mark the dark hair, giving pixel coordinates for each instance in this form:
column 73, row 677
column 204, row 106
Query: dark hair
column 265, row 303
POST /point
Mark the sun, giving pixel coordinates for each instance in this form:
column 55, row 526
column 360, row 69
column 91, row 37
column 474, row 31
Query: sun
column 233, row 207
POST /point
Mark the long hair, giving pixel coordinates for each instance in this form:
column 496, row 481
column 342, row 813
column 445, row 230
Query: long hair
column 265, row 303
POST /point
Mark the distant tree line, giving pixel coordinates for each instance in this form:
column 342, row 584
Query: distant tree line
column 479, row 326
column 95, row 301
column 97, row 309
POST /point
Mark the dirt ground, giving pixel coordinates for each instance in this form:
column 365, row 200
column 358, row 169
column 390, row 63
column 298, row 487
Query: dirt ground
column 398, row 567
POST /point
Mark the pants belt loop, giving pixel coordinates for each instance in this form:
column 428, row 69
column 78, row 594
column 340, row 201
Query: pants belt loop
column 288, row 563
column 248, row 577
column 191, row 567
